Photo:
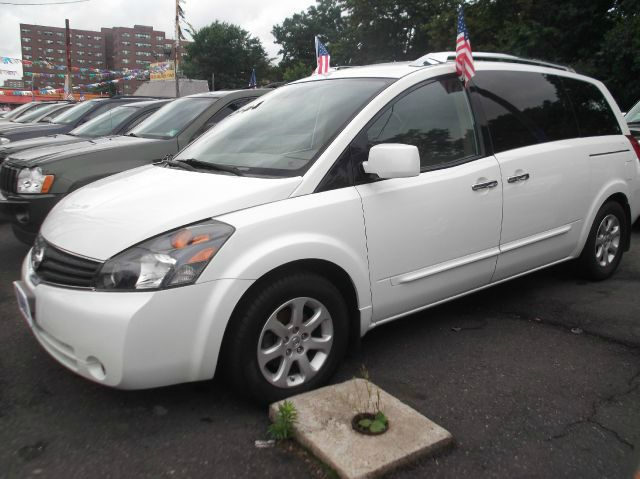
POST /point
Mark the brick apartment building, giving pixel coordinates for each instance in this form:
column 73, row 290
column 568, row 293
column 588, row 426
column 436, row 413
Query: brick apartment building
column 113, row 48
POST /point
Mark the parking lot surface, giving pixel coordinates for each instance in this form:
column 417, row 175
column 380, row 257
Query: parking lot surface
column 538, row 377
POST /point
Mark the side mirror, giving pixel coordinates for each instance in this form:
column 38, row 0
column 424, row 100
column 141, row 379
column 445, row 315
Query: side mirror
column 393, row 160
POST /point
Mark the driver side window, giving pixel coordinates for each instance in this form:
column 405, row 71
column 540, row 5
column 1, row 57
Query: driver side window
column 436, row 118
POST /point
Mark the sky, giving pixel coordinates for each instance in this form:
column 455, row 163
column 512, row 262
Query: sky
column 255, row 16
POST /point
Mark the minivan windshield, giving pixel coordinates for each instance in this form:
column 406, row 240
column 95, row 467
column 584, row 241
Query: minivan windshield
column 281, row 133
column 171, row 119
column 105, row 123
column 73, row 114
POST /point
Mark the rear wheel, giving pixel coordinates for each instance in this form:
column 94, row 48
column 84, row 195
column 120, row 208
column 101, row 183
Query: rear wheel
column 287, row 337
column 603, row 251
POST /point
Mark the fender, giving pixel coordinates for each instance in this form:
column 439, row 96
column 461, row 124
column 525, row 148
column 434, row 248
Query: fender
column 610, row 188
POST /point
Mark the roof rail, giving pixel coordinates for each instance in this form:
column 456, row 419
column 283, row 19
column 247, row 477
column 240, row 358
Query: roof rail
column 443, row 57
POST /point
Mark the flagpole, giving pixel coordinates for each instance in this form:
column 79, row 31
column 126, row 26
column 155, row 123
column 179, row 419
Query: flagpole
column 176, row 47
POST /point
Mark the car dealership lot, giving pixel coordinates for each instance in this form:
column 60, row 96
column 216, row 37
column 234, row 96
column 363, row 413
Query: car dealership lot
column 522, row 394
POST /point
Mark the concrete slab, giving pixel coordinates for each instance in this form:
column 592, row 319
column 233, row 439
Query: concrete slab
column 324, row 427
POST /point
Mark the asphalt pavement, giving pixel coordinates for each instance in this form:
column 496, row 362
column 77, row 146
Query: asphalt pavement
column 538, row 377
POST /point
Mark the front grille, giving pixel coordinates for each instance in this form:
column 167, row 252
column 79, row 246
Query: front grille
column 66, row 269
column 8, row 178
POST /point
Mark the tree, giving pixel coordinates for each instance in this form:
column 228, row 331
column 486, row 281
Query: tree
column 296, row 35
column 227, row 51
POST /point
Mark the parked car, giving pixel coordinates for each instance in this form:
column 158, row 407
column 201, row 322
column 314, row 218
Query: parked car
column 633, row 120
column 36, row 115
column 117, row 121
column 16, row 112
column 335, row 204
column 66, row 122
column 32, row 181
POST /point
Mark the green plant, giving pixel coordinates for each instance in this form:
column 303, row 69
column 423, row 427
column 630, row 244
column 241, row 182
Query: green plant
column 286, row 417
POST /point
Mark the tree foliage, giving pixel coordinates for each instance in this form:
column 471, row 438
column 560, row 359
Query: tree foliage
column 227, row 51
column 600, row 38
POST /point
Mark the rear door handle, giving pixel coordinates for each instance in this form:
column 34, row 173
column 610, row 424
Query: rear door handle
column 484, row 186
column 515, row 179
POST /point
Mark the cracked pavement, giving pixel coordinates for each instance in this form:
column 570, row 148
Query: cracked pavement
column 522, row 394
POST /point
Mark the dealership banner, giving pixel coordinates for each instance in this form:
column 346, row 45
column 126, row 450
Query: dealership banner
column 162, row 71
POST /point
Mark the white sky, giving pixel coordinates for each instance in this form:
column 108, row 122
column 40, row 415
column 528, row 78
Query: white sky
column 255, row 16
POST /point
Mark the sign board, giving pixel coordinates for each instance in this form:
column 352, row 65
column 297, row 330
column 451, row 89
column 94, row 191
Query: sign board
column 162, row 71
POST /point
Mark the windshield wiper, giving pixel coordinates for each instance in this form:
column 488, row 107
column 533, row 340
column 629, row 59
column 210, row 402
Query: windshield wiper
column 169, row 161
column 133, row 135
column 212, row 166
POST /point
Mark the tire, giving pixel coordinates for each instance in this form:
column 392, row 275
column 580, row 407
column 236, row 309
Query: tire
column 603, row 250
column 266, row 357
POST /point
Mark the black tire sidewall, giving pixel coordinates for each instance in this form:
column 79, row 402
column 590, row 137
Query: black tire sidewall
column 589, row 266
column 242, row 358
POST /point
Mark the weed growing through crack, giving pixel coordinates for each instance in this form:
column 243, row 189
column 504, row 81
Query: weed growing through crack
column 286, row 417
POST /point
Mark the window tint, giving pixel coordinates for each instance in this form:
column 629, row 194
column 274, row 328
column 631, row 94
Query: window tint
column 435, row 117
column 524, row 108
column 592, row 110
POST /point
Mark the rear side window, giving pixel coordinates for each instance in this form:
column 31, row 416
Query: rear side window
column 436, row 118
column 593, row 112
column 524, row 108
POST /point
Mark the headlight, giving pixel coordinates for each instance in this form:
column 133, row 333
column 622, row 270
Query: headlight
column 31, row 180
column 4, row 141
column 172, row 259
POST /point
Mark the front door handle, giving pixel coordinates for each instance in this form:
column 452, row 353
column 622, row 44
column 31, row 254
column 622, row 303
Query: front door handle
column 484, row 186
column 517, row 178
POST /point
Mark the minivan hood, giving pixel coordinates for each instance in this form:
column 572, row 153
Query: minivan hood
column 45, row 154
column 110, row 215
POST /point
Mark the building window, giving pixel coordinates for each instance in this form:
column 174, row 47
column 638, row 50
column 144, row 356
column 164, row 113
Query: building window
column 49, row 34
column 97, row 38
column 60, row 51
column 81, row 62
column 26, row 39
column 125, row 61
column 79, row 36
column 159, row 38
column 59, row 34
column 49, row 50
column 49, row 59
column 126, row 35
column 146, row 36
column 80, row 52
column 60, row 42
column 61, row 60
column 80, row 44
column 49, row 42
column 98, row 54
column 126, row 44
column 25, row 30
column 126, row 52
column 27, row 57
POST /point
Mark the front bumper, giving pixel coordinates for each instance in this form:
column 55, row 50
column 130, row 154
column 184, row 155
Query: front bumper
column 27, row 212
column 134, row 340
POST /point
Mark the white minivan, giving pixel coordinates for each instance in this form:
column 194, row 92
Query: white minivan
column 268, row 247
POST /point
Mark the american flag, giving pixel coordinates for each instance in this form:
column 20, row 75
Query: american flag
column 253, row 83
column 464, row 57
column 323, row 58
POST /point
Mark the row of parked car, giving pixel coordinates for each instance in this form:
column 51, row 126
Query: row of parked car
column 267, row 246
column 92, row 140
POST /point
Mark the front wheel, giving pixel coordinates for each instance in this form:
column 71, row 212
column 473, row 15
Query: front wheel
column 287, row 337
column 604, row 247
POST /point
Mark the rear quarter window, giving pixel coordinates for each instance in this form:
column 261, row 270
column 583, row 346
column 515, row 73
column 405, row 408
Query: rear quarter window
column 524, row 108
column 592, row 110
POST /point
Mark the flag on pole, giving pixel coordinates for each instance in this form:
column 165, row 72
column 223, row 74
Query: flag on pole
column 323, row 58
column 253, row 83
column 464, row 58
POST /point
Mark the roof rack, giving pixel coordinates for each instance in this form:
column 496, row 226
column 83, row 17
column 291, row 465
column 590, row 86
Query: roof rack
column 443, row 57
